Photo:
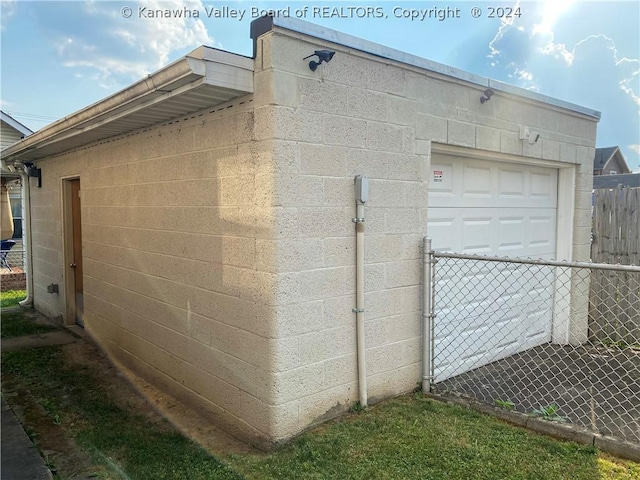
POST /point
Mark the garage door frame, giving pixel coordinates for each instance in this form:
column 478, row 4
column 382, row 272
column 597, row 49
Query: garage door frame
column 564, row 220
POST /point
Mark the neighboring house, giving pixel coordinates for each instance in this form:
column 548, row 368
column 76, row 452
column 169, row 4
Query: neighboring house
column 12, row 131
column 212, row 249
column 629, row 180
column 609, row 161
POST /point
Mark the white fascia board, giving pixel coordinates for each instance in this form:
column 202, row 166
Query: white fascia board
column 225, row 69
column 228, row 76
column 222, row 57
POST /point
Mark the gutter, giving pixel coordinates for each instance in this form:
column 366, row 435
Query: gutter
column 181, row 72
column 203, row 67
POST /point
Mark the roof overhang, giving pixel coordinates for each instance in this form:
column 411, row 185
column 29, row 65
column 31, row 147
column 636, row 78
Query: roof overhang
column 204, row 78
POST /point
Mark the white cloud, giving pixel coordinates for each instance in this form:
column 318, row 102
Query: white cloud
column 548, row 13
column 591, row 72
column 559, row 51
column 631, row 78
column 523, row 75
column 505, row 24
column 7, row 11
column 97, row 40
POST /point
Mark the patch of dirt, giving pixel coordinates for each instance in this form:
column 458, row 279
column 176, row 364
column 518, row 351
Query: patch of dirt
column 61, row 454
column 133, row 393
column 130, row 392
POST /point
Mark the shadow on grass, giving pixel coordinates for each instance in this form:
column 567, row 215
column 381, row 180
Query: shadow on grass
column 15, row 324
column 126, row 444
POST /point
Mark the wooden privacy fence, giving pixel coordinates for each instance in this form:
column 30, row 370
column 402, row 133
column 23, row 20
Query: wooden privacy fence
column 614, row 297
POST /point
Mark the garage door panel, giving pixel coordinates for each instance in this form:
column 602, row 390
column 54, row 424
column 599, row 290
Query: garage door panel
column 459, row 182
column 497, row 231
column 512, row 232
column 511, row 184
column 542, row 237
column 538, row 327
column 543, row 186
column 446, row 227
column 477, row 181
column 476, row 232
column 484, row 311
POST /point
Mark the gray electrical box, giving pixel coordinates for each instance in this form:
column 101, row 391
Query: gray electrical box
column 362, row 189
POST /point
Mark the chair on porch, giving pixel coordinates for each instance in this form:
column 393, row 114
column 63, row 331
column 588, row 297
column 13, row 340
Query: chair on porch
column 5, row 247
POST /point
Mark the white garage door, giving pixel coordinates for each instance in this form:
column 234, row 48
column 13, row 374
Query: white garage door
column 487, row 311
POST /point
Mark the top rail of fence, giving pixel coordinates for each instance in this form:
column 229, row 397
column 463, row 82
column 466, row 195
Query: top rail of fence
column 531, row 261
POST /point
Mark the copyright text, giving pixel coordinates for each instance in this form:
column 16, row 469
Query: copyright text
column 441, row 13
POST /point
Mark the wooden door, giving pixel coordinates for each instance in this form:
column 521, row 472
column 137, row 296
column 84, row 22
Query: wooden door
column 76, row 239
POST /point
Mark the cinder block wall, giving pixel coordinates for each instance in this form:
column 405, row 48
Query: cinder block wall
column 47, row 242
column 219, row 250
column 361, row 114
column 174, row 285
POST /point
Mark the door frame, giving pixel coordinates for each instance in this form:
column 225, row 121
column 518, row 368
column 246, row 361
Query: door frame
column 68, row 254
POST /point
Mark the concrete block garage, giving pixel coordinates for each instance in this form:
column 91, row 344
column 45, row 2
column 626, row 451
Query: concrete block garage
column 200, row 224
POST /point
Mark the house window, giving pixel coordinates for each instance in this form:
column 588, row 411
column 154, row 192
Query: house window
column 613, row 172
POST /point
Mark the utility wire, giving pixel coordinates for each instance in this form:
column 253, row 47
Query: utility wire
column 31, row 116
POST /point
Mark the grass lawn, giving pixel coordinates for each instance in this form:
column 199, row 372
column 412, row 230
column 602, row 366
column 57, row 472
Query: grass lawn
column 14, row 324
column 409, row 437
column 412, row 437
column 11, row 298
column 122, row 444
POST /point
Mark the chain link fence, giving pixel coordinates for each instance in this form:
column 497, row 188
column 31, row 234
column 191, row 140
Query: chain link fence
column 551, row 339
column 12, row 260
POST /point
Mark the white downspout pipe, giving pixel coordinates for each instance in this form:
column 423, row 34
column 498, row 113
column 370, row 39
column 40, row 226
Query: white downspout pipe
column 426, row 315
column 362, row 195
column 26, row 207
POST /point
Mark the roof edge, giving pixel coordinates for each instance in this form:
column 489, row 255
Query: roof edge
column 265, row 24
column 153, row 82
column 8, row 119
column 184, row 72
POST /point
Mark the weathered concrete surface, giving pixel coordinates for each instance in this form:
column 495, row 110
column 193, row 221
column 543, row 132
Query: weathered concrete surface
column 20, row 459
column 39, row 340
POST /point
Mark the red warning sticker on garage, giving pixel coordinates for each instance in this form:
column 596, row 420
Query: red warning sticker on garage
column 437, row 175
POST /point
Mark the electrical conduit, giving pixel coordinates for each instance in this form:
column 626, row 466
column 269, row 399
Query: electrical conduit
column 426, row 315
column 26, row 207
column 361, row 194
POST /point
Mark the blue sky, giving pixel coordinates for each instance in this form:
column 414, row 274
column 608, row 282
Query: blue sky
column 58, row 57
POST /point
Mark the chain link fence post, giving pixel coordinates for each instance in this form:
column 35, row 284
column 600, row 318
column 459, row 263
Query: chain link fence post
column 427, row 315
